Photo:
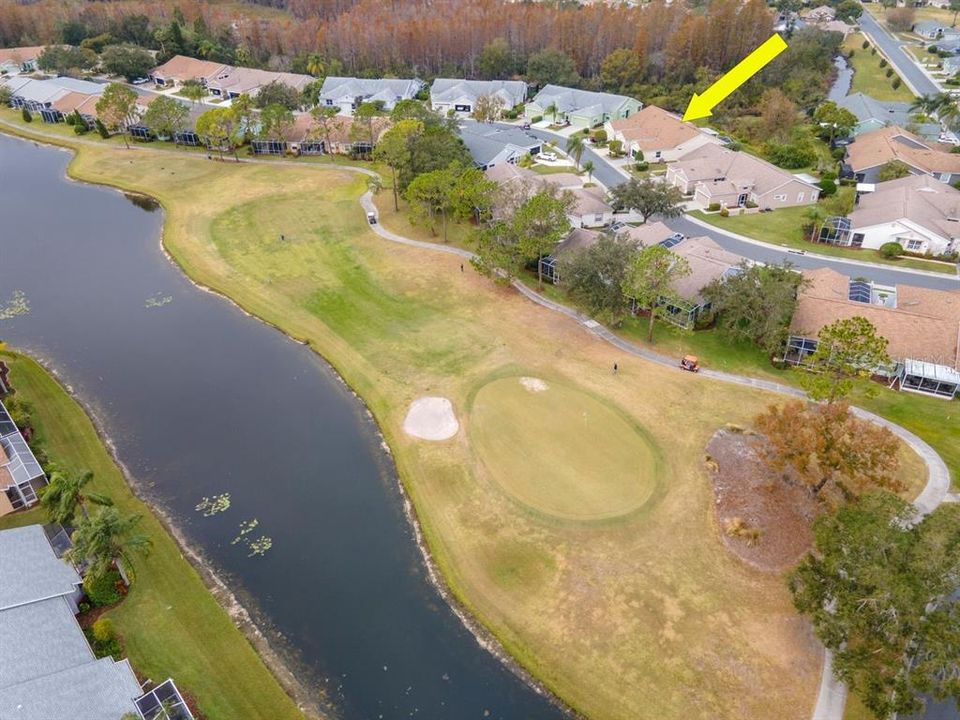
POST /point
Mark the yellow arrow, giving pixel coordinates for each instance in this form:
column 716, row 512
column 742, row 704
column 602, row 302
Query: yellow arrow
column 701, row 105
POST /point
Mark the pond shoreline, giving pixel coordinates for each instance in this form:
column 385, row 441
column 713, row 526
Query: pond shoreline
column 282, row 663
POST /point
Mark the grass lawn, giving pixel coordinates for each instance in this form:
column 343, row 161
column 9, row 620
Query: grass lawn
column 784, row 227
column 171, row 625
column 641, row 614
column 553, row 169
column 869, row 78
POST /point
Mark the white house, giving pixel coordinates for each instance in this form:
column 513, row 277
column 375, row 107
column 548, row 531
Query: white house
column 590, row 208
column 918, row 212
column 348, row 93
column 460, row 96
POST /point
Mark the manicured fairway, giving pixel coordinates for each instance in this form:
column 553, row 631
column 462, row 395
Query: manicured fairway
column 561, row 452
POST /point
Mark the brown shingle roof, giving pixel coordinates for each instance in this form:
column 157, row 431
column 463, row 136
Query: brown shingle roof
column 183, row 68
column 653, row 128
column 879, row 147
column 726, row 171
column 20, row 55
column 925, row 324
column 707, row 260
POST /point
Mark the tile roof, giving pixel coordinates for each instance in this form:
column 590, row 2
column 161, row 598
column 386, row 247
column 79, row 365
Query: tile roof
column 920, row 199
column 925, row 324
column 29, row 569
column 879, row 147
column 653, row 128
column 183, row 68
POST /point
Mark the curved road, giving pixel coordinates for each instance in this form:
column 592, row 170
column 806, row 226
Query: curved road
column 611, row 176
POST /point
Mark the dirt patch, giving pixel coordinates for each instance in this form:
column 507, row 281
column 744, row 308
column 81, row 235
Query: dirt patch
column 534, row 384
column 765, row 518
column 431, row 418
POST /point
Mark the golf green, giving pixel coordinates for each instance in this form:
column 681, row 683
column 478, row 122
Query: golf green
column 560, row 451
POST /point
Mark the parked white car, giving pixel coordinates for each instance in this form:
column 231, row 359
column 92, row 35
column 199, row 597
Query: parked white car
column 547, row 156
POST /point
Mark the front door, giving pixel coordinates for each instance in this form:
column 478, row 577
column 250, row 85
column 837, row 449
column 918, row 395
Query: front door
column 742, row 200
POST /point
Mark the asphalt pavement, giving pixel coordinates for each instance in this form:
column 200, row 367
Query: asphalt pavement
column 909, row 71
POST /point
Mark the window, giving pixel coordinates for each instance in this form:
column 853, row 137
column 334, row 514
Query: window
column 657, row 155
column 914, row 245
column 780, row 198
column 462, row 108
column 799, row 197
column 328, row 102
column 857, row 240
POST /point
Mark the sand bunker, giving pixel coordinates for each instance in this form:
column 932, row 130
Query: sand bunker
column 431, row 418
column 534, row 384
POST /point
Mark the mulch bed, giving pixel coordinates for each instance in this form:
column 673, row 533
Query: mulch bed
column 749, row 495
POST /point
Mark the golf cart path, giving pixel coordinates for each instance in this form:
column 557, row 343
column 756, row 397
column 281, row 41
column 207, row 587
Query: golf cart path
column 832, row 695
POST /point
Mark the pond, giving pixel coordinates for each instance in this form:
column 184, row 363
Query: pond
column 202, row 400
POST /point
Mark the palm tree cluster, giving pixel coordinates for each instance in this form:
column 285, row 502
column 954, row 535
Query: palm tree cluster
column 99, row 540
column 942, row 105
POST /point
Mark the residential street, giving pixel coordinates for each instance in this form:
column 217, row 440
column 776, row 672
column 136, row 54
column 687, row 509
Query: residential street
column 890, row 46
column 609, row 175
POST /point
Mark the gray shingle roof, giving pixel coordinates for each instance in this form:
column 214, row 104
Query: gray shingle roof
column 513, row 92
column 38, row 639
column 379, row 88
column 571, row 99
column 886, row 113
column 99, row 690
column 485, row 142
column 29, row 569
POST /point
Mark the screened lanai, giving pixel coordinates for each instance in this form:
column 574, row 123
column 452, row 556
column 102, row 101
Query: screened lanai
column 929, row 379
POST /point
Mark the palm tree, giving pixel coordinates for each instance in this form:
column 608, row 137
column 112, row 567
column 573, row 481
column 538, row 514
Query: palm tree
column 575, row 148
column 588, row 168
column 552, row 109
column 925, row 104
column 316, row 64
column 64, row 494
column 104, row 538
column 193, row 91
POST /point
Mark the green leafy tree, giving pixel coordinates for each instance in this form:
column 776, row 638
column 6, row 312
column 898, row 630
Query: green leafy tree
column 847, row 350
column 650, row 280
column 622, row 70
column 277, row 93
column 538, row 225
column 430, row 197
column 64, row 495
column 394, row 150
column 849, row 11
column 276, row 122
column 327, row 122
column 835, row 121
column 497, row 60
column 117, row 109
column 436, row 148
column 362, row 129
column 129, row 61
column 595, row 276
column 877, row 591
column 755, row 305
column 471, row 196
column 955, row 8
column 5, row 96
column 62, row 59
column 892, row 170
column 648, row 197
column 244, row 112
column 165, row 116
column 551, row 66
column 218, row 128
column 106, row 537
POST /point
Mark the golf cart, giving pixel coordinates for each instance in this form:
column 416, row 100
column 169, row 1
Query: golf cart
column 690, row 363
column 372, row 218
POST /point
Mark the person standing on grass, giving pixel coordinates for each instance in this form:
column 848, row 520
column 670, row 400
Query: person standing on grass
column 616, row 368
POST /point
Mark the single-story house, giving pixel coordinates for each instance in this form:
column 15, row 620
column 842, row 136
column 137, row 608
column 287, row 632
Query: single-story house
column 874, row 114
column 918, row 212
column 491, row 145
column 820, row 14
column 39, row 95
column 510, row 174
column 47, row 668
column 931, row 29
column 590, row 208
column 460, row 96
column 872, row 150
column 180, row 69
column 714, row 174
column 348, row 93
column 237, row 81
column 951, row 65
column 837, row 26
column 306, row 137
column 19, row 59
column 580, row 108
column 921, row 326
column 21, row 476
column 661, row 136
column 948, row 44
